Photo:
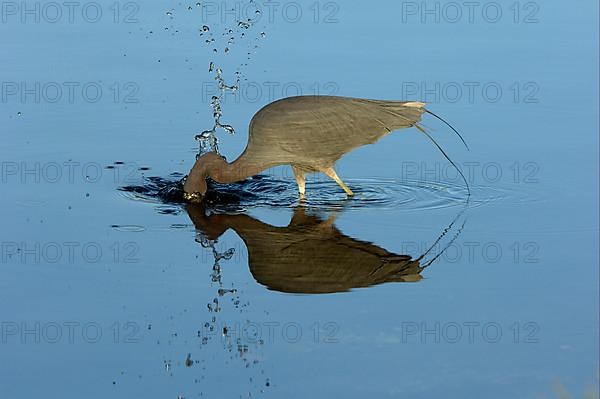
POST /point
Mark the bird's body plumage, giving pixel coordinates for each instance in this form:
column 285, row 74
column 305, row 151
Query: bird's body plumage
column 310, row 133
column 313, row 132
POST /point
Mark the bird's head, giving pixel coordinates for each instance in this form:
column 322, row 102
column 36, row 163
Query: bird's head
column 195, row 183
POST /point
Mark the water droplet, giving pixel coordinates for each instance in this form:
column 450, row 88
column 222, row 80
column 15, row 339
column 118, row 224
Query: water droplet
column 228, row 128
column 128, row 228
column 205, row 28
column 188, row 360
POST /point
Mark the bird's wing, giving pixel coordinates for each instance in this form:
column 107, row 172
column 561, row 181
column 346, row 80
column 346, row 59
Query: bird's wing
column 322, row 127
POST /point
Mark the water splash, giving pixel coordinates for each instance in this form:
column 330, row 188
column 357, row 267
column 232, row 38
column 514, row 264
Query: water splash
column 207, row 139
column 221, row 39
column 226, row 42
column 217, row 311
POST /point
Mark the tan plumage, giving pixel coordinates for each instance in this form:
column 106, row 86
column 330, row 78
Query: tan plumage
column 313, row 131
column 310, row 133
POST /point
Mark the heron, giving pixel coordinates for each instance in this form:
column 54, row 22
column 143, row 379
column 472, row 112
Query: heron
column 309, row 133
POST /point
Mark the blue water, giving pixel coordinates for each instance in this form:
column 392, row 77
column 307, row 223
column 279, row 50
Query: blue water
column 105, row 290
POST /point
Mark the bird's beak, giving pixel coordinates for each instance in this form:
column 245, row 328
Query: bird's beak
column 194, row 186
column 194, row 198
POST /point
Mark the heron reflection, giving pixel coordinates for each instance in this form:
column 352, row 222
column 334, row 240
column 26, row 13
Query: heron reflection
column 312, row 256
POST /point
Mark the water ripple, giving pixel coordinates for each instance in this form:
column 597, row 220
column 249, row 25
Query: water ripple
column 267, row 191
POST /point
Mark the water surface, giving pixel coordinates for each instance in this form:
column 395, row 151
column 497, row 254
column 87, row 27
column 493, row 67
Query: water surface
column 111, row 286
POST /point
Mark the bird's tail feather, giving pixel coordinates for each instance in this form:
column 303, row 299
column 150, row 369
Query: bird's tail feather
column 421, row 107
column 450, row 126
column 445, row 155
column 408, row 113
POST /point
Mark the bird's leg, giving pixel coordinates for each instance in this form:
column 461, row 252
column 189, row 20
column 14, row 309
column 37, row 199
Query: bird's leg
column 330, row 172
column 301, row 180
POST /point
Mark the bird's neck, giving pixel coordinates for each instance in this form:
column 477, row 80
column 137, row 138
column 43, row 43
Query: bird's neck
column 240, row 169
